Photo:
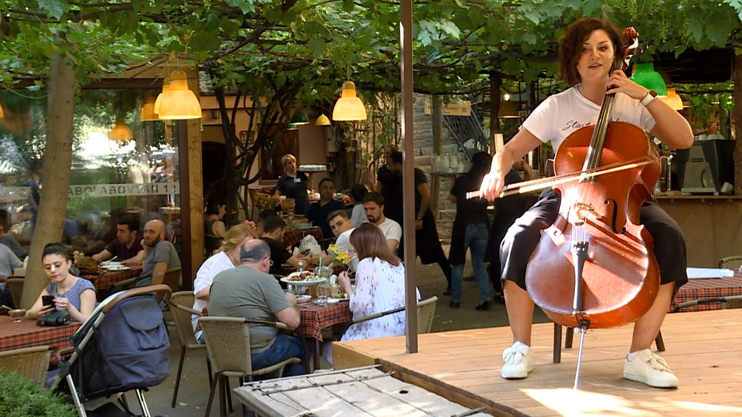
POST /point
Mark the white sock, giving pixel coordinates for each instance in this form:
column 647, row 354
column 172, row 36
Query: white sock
column 631, row 356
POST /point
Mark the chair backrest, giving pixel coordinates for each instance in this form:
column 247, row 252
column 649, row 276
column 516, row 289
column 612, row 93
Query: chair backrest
column 228, row 343
column 171, row 279
column 731, row 262
column 30, row 362
column 16, row 290
column 182, row 318
column 425, row 311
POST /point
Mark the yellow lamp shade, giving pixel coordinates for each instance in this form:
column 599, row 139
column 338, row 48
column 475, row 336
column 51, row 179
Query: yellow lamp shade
column 673, row 99
column 120, row 132
column 323, row 120
column 2, row 114
column 180, row 102
column 148, row 111
column 508, row 109
column 165, row 89
column 349, row 106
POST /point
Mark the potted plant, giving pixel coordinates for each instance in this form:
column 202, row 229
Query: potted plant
column 21, row 397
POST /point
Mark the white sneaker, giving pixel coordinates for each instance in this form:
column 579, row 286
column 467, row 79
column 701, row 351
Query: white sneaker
column 518, row 361
column 650, row 369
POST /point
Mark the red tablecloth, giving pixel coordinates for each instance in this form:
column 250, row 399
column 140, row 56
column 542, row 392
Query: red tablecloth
column 28, row 334
column 698, row 289
column 292, row 237
column 315, row 318
column 107, row 279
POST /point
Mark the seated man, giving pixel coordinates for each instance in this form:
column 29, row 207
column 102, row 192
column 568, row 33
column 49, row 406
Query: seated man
column 273, row 229
column 318, row 212
column 373, row 204
column 342, row 227
column 160, row 254
column 262, row 217
column 8, row 260
column 249, row 291
column 127, row 246
column 8, row 239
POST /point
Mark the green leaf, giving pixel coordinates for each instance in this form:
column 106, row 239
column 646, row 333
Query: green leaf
column 348, row 5
column 316, row 46
column 54, row 8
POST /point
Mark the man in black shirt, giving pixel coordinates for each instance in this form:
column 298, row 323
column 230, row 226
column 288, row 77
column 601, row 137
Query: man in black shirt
column 273, row 229
column 319, row 211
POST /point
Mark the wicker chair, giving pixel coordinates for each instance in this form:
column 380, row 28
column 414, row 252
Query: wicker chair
column 30, row 362
column 425, row 310
column 228, row 342
column 181, row 312
column 171, row 279
column 731, row 262
column 16, row 290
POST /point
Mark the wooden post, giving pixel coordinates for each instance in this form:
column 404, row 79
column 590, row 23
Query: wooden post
column 737, row 114
column 435, row 189
column 495, row 97
column 408, row 175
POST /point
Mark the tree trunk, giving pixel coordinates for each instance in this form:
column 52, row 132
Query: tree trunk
column 55, row 179
column 737, row 114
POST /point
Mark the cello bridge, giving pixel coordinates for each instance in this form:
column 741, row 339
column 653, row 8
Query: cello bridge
column 581, row 211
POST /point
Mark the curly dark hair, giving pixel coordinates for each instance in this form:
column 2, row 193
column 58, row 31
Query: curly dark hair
column 570, row 45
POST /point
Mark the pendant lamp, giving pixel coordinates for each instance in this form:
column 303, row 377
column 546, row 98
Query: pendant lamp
column 349, row 106
column 673, row 100
column 293, row 126
column 165, row 89
column 323, row 120
column 148, row 111
column 180, row 102
column 2, row 114
column 299, row 118
column 647, row 77
column 120, row 132
column 508, row 110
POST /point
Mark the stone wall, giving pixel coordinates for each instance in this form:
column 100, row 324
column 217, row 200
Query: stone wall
column 423, row 136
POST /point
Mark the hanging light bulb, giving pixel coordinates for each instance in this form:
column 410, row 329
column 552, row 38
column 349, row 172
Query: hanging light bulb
column 506, row 97
column 165, row 89
column 349, row 106
column 323, row 120
column 120, row 132
column 180, row 102
column 673, row 99
column 148, row 111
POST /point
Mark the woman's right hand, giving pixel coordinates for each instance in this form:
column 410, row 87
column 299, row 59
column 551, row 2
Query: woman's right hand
column 492, row 183
column 344, row 282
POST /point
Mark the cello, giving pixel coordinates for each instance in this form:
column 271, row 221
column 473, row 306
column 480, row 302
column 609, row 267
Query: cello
column 594, row 267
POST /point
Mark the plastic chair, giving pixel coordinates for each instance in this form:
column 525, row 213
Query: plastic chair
column 182, row 318
column 30, row 362
column 16, row 290
column 731, row 262
column 228, row 342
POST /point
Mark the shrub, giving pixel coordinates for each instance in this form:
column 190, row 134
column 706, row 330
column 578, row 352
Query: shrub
column 22, row 397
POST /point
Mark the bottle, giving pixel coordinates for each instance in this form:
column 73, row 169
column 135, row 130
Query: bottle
column 301, row 265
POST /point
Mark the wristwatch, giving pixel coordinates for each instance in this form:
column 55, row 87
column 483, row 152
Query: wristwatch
column 651, row 95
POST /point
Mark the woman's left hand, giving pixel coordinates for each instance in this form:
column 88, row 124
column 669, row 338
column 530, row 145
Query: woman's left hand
column 618, row 82
column 62, row 303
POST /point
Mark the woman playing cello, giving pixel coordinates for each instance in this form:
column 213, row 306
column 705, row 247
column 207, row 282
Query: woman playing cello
column 587, row 54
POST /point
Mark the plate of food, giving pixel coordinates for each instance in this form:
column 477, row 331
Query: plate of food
column 303, row 298
column 303, row 279
column 117, row 268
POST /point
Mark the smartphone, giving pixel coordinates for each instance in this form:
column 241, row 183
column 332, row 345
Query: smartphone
column 47, row 300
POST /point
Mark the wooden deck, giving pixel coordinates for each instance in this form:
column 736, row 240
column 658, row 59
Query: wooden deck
column 704, row 349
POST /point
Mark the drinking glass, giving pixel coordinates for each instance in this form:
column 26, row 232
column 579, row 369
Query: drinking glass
column 291, row 219
column 323, row 291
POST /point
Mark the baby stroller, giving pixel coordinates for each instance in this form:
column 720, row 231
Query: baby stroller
column 122, row 346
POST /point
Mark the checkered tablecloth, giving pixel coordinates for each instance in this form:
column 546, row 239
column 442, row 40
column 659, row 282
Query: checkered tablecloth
column 107, row 279
column 28, row 334
column 315, row 318
column 292, row 237
column 698, row 289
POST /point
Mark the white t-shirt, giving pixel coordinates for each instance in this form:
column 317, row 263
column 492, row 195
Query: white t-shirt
column 205, row 276
column 343, row 242
column 391, row 230
column 562, row 114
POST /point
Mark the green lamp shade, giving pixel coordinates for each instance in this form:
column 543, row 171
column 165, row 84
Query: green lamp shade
column 293, row 126
column 299, row 118
column 648, row 78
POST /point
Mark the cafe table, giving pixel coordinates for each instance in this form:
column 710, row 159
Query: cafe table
column 702, row 288
column 104, row 279
column 314, row 318
column 26, row 334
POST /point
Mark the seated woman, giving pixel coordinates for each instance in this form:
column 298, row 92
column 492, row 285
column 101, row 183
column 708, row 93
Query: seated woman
column 380, row 286
column 228, row 257
column 71, row 293
column 358, row 216
column 213, row 224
